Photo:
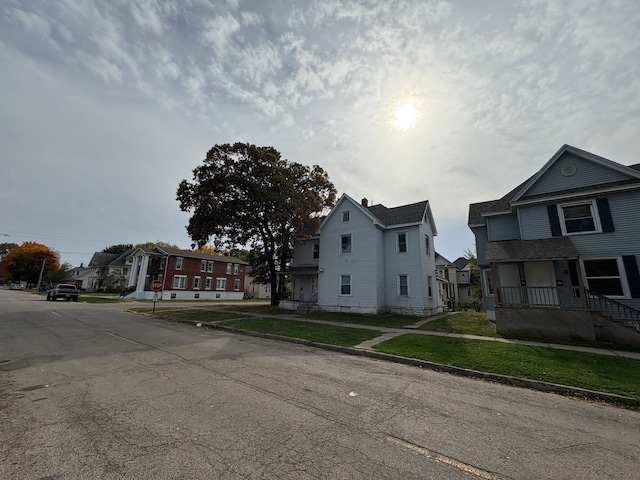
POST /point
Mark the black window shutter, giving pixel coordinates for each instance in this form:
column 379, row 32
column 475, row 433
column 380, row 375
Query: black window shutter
column 605, row 214
column 554, row 220
column 633, row 276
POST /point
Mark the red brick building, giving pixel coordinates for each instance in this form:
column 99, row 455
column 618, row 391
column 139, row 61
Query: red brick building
column 185, row 275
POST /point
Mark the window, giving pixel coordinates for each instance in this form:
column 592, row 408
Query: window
column 429, row 288
column 179, row 263
column 579, row 218
column 221, row 283
column 207, row 283
column 345, row 284
column 603, row 276
column 403, row 285
column 488, row 283
column 180, row 282
column 236, row 268
column 427, row 247
column 402, row 242
column 346, row 216
column 229, row 268
column 345, row 244
column 316, row 250
column 236, row 285
column 196, row 283
column 210, row 264
column 203, row 265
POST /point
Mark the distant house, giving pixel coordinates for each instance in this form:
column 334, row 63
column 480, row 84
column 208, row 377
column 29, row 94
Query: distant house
column 110, row 271
column 466, row 281
column 446, row 272
column 559, row 253
column 368, row 259
column 185, row 275
column 253, row 288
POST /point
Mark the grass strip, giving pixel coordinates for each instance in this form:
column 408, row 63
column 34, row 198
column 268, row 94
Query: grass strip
column 192, row 314
column 578, row 369
column 469, row 322
column 327, row 334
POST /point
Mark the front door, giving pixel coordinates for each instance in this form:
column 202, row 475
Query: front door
column 509, row 280
column 541, row 283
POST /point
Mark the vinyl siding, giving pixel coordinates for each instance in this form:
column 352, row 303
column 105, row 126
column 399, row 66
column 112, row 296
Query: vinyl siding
column 363, row 264
column 503, row 227
column 480, row 234
column 587, row 174
column 303, row 253
column 534, row 222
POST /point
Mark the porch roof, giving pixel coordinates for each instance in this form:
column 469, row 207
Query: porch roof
column 557, row 248
column 310, row 270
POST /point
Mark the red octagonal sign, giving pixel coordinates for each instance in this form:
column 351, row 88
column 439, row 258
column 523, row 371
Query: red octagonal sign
column 156, row 285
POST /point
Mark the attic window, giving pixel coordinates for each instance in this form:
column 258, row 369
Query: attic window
column 346, row 216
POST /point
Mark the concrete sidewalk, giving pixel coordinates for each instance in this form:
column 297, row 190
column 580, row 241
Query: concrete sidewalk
column 389, row 332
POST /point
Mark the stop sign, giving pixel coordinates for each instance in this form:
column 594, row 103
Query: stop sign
column 156, row 285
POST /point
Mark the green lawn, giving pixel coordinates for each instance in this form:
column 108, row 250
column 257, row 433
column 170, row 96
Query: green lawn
column 469, row 322
column 584, row 370
column 327, row 334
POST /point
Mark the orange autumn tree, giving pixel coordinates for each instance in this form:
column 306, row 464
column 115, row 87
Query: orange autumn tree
column 25, row 262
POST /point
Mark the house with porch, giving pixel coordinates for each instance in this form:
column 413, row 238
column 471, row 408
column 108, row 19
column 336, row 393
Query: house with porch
column 559, row 253
column 185, row 275
column 368, row 259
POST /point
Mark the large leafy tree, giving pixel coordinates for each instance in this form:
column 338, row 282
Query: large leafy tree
column 152, row 245
column 120, row 248
column 6, row 248
column 248, row 196
column 25, row 262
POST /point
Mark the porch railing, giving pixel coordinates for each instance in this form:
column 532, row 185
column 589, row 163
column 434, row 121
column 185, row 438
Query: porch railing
column 568, row 297
column 628, row 316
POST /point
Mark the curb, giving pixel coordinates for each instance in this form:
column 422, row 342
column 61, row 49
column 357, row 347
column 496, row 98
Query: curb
column 564, row 390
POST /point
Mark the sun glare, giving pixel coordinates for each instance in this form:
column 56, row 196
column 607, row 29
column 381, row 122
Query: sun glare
column 405, row 116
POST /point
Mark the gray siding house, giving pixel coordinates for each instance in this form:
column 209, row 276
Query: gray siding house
column 368, row 259
column 559, row 253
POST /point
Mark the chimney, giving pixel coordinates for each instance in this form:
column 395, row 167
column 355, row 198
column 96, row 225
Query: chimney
column 365, row 202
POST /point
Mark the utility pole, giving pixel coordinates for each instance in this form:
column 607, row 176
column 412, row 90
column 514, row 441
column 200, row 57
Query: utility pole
column 40, row 278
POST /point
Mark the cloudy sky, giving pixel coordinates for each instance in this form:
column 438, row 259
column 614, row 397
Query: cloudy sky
column 107, row 105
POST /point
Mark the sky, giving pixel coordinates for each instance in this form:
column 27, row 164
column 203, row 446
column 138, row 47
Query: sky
column 105, row 106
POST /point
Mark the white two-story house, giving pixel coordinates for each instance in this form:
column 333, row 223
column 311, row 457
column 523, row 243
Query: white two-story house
column 368, row 259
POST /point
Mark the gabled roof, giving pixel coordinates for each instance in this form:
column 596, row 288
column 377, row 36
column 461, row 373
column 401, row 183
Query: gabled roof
column 384, row 217
column 102, row 259
column 633, row 174
column 477, row 211
column 176, row 252
column 460, row 263
column 556, row 248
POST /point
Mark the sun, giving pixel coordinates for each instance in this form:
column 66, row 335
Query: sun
column 405, row 116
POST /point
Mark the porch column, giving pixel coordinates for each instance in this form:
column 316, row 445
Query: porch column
column 581, row 289
column 134, row 271
column 143, row 274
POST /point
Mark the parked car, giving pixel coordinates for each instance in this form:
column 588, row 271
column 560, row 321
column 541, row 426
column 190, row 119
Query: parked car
column 63, row 290
column 16, row 286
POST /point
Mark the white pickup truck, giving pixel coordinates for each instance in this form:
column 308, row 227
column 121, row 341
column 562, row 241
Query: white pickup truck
column 63, row 290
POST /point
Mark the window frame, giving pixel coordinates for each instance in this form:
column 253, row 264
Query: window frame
column 622, row 275
column 429, row 286
column 345, row 216
column 405, row 285
column 221, row 284
column 341, row 285
column 229, row 268
column 179, row 263
column 236, row 285
column 427, row 245
column 203, row 265
column 595, row 216
column 208, row 282
column 316, row 251
column 179, row 282
column 210, row 266
column 400, row 244
column 487, row 283
column 342, row 250
column 197, row 281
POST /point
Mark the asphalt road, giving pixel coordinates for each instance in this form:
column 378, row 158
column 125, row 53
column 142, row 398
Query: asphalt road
column 92, row 392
